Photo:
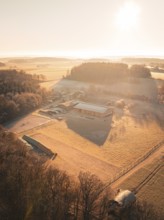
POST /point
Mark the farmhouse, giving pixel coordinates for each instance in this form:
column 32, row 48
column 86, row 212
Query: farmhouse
column 93, row 109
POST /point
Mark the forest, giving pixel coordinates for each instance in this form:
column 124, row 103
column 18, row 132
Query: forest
column 32, row 190
column 19, row 93
column 107, row 72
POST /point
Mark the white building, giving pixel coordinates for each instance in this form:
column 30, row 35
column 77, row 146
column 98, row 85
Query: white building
column 93, row 109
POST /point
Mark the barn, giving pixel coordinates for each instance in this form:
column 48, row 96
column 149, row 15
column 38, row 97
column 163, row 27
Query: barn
column 39, row 147
column 93, row 109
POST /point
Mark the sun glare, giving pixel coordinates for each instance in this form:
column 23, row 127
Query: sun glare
column 127, row 16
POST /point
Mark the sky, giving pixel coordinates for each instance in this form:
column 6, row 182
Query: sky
column 82, row 28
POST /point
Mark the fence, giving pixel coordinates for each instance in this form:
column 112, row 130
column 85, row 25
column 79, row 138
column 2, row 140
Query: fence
column 131, row 166
column 36, row 128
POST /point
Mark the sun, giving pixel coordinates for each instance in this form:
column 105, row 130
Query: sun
column 127, row 17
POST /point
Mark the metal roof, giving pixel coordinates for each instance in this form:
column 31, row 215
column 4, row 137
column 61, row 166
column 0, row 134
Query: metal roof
column 91, row 107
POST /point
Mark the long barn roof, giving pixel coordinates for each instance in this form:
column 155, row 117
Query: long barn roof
column 91, row 107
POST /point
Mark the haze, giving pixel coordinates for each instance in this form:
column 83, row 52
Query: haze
column 81, row 28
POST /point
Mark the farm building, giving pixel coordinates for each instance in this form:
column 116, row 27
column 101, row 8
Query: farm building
column 93, row 109
column 68, row 105
column 26, row 143
column 40, row 148
column 47, row 112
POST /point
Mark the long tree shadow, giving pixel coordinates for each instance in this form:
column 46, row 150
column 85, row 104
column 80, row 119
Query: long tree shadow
column 146, row 111
column 153, row 113
column 145, row 107
column 94, row 129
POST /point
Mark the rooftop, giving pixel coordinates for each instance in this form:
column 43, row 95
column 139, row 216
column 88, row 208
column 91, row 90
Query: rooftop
column 91, row 107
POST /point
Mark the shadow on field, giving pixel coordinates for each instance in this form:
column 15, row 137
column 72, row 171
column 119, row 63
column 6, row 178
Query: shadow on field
column 146, row 113
column 95, row 130
column 145, row 108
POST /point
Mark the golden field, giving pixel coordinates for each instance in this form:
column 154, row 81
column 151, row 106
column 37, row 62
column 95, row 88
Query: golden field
column 151, row 192
column 121, row 148
column 101, row 146
column 51, row 69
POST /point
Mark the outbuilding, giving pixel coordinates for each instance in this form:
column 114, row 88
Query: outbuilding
column 39, row 147
column 93, row 109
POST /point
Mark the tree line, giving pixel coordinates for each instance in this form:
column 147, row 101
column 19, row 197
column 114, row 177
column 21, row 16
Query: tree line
column 19, row 93
column 142, row 60
column 107, row 72
column 2, row 64
column 32, row 190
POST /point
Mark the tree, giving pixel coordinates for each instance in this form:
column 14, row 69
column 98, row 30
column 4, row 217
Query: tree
column 92, row 196
column 31, row 190
column 140, row 71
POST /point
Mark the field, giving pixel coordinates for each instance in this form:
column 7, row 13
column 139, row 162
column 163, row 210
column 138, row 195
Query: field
column 52, row 69
column 117, row 140
column 157, row 75
column 101, row 146
column 152, row 190
column 27, row 123
column 120, row 147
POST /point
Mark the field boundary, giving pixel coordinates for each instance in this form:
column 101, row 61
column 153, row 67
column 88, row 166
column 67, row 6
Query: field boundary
column 37, row 127
column 148, row 178
column 134, row 164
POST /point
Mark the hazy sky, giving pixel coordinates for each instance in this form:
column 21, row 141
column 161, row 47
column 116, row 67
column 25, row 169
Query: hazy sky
column 82, row 27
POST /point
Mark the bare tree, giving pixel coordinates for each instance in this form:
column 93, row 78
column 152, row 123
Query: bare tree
column 93, row 200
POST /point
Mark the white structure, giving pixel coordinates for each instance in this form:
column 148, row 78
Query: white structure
column 92, row 109
column 125, row 198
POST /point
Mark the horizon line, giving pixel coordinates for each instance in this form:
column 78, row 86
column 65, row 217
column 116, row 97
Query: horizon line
column 75, row 55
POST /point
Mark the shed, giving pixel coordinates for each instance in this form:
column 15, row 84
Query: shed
column 68, row 105
column 26, row 143
column 39, row 147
